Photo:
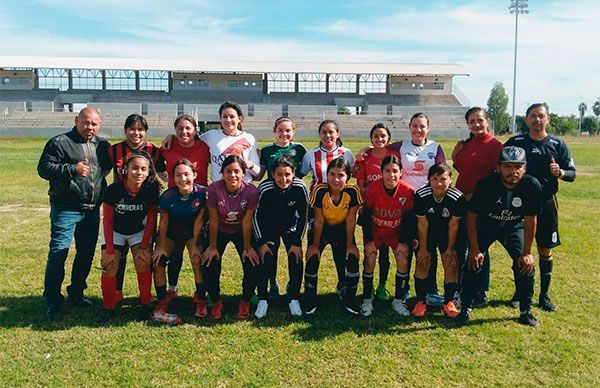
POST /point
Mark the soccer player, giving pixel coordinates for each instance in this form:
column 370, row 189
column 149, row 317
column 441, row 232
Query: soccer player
column 369, row 171
column 385, row 213
column 439, row 209
column 182, row 212
column 130, row 208
column 503, row 208
column 549, row 160
column 231, row 204
column 284, row 130
column 335, row 205
column 281, row 214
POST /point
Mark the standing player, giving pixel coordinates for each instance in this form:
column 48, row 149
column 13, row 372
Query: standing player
column 385, row 212
column 369, row 171
column 135, row 129
column 130, row 210
column 549, row 160
column 504, row 208
column 439, row 209
column 281, row 214
column 335, row 205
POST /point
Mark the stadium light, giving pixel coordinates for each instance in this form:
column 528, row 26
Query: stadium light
column 517, row 7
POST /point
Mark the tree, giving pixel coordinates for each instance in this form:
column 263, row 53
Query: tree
column 343, row 110
column 496, row 107
column 596, row 108
column 589, row 125
column 582, row 108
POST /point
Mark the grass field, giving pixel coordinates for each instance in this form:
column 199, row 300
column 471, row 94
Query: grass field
column 327, row 350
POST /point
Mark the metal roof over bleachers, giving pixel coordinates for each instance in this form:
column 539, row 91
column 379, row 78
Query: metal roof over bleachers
column 179, row 65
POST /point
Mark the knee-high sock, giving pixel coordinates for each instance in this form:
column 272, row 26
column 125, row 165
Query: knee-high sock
column 401, row 285
column 211, row 274
column 545, row 274
column 352, row 274
column 121, row 272
column 384, row 264
column 109, row 286
column 367, row 285
column 174, row 268
column 311, row 277
column 449, row 291
column 525, row 283
column 145, row 286
column 421, row 288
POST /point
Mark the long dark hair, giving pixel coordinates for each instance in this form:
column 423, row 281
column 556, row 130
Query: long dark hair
column 150, row 180
column 135, row 118
column 236, row 108
column 340, row 163
column 338, row 142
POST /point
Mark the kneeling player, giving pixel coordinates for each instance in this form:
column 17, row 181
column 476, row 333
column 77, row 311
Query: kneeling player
column 439, row 209
column 504, row 208
column 386, row 219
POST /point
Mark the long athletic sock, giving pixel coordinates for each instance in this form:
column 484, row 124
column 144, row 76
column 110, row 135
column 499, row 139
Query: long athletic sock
column 367, row 285
column 161, row 292
column 384, row 264
column 174, row 268
column 545, row 274
column 421, row 288
column 449, row 291
column 525, row 285
column 121, row 272
column 200, row 291
column 311, row 278
column 145, row 286
column 109, row 286
column 401, row 285
column 352, row 274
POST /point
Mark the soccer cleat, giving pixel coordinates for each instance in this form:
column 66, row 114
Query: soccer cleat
column 261, row 309
column 171, row 295
column 366, row 308
column 382, row 293
column 254, row 299
column 434, row 300
column 105, row 315
column 79, row 301
column 481, row 300
column 546, row 304
column 420, row 309
column 274, row 291
column 464, row 317
column 310, row 308
column 528, row 319
column 243, row 310
column 457, row 300
column 201, row 310
column 217, row 310
column 450, row 309
column 119, row 296
column 514, row 301
column 295, row 309
column 161, row 315
column 351, row 309
column 399, row 306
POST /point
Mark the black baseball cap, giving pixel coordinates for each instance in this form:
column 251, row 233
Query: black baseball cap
column 512, row 154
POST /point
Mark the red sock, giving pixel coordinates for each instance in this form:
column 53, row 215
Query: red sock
column 145, row 287
column 109, row 287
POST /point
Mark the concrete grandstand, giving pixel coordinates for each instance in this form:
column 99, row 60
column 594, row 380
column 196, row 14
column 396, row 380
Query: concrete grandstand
column 38, row 95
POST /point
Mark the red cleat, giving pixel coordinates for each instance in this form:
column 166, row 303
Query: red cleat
column 244, row 310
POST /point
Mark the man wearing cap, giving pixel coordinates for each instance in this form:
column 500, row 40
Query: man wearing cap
column 503, row 208
column 549, row 160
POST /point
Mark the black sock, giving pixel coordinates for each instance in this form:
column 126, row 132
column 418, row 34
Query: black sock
column 367, row 285
column 311, row 278
column 421, row 288
column 449, row 291
column 173, row 268
column 121, row 273
column 384, row 264
column 401, row 285
column 200, row 291
column 351, row 280
column 161, row 292
column 525, row 284
column 545, row 274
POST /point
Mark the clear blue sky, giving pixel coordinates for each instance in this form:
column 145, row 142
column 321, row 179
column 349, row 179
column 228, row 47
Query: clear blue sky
column 558, row 50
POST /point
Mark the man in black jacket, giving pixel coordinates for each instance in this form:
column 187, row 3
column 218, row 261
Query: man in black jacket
column 75, row 163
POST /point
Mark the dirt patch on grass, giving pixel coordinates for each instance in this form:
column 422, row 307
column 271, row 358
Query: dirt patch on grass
column 15, row 208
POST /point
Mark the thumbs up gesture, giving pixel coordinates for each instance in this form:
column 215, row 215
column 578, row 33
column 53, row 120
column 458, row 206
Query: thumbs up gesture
column 83, row 168
column 554, row 168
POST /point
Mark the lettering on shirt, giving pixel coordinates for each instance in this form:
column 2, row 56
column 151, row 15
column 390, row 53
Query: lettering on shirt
column 121, row 208
column 505, row 215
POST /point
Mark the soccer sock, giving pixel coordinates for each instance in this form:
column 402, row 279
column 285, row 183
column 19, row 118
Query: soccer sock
column 367, row 285
column 384, row 264
column 545, row 274
column 173, row 269
column 145, row 286
column 200, row 291
column 311, row 277
column 109, row 286
column 121, row 272
column 401, row 285
column 421, row 288
column 431, row 284
column 352, row 274
column 449, row 291
column 525, row 290
column 161, row 292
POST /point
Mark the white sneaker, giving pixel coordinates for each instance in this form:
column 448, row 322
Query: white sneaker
column 366, row 308
column 295, row 309
column 261, row 309
column 400, row 307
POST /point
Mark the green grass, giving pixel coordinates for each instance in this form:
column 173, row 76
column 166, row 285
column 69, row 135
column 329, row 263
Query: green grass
column 327, row 350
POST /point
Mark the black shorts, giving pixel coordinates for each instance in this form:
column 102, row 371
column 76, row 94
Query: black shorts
column 512, row 239
column 546, row 235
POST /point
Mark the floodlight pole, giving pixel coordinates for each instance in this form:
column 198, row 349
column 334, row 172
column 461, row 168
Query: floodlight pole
column 516, row 7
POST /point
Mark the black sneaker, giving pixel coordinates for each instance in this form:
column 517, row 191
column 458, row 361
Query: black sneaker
column 54, row 313
column 79, row 301
column 105, row 315
column 514, row 302
column 546, row 304
column 144, row 313
column 528, row 319
column 464, row 317
column 351, row 309
column 481, row 300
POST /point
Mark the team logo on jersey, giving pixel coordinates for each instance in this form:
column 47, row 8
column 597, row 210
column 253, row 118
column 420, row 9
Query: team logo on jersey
column 536, row 150
column 445, row 213
column 293, row 152
column 419, row 165
column 517, row 202
column 499, row 200
column 431, row 211
column 291, row 203
column 232, row 216
column 196, row 203
column 430, row 155
column 402, row 200
column 243, row 203
column 221, row 203
column 554, row 237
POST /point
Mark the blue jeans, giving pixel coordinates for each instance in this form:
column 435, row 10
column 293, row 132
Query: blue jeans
column 64, row 225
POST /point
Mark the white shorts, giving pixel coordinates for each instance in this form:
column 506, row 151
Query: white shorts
column 125, row 240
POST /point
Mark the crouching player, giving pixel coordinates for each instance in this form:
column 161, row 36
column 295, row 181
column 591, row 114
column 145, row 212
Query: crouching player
column 387, row 214
column 130, row 209
column 439, row 209
column 281, row 214
column 504, row 208
column 182, row 212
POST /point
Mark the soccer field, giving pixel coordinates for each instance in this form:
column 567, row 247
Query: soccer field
column 329, row 349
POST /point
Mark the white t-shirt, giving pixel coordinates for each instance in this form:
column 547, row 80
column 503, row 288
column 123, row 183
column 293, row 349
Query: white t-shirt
column 222, row 145
column 417, row 159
